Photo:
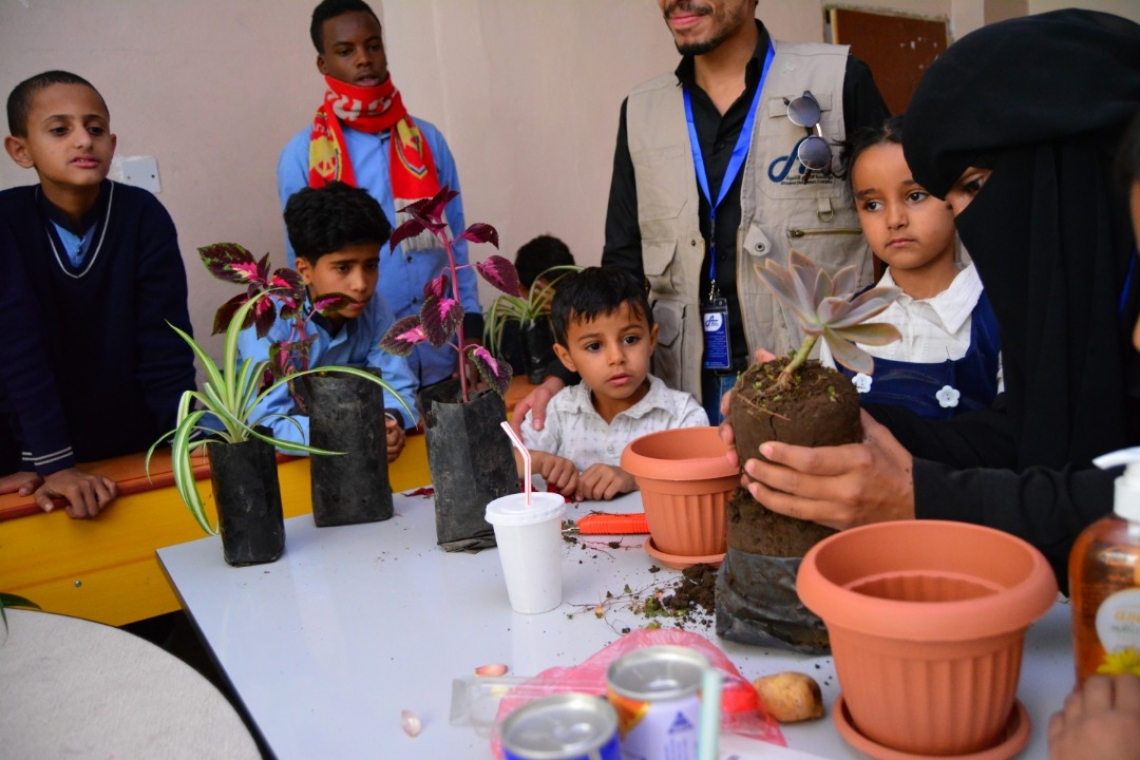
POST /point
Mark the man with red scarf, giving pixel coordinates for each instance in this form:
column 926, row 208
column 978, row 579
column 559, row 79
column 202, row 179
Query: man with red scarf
column 362, row 135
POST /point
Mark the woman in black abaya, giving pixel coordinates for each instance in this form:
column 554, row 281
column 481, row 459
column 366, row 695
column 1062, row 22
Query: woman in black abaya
column 1039, row 105
column 1016, row 125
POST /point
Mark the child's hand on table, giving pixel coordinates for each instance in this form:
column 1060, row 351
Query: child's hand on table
column 604, row 482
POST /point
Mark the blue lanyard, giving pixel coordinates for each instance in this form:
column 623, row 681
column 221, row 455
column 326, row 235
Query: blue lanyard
column 739, row 153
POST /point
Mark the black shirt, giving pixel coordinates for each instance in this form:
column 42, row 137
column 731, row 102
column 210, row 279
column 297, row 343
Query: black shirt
column 863, row 106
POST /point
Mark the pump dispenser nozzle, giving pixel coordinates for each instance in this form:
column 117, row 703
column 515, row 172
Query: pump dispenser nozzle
column 1127, row 497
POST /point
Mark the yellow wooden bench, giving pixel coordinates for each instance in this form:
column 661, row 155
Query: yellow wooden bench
column 105, row 569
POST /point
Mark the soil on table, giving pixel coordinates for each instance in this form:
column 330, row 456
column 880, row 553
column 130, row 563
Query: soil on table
column 694, row 591
column 820, row 409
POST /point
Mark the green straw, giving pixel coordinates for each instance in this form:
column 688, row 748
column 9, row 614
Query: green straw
column 711, row 682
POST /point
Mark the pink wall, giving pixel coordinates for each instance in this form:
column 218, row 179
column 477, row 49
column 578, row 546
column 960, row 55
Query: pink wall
column 527, row 92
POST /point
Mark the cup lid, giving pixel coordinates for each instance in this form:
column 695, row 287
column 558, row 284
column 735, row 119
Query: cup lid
column 512, row 509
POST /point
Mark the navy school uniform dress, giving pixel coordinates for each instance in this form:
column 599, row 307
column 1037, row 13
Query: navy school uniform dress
column 944, row 389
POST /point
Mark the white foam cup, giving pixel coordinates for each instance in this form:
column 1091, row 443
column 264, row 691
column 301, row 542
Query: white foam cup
column 530, row 548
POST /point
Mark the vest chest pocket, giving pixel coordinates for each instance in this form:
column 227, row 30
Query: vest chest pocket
column 831, row 247
column 669, row 357
column 659, row 171
column 657, row 261
column 780, row 174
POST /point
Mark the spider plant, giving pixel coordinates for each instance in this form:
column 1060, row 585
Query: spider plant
column 230, row 392
column 12, row 600
column 525, row 308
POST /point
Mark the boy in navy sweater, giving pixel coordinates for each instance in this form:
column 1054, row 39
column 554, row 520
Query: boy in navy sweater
column 91, row 275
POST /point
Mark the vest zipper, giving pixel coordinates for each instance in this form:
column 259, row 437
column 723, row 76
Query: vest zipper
column 797, row 233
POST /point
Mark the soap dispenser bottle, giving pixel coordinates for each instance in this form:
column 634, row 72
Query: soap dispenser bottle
column 1104, row 579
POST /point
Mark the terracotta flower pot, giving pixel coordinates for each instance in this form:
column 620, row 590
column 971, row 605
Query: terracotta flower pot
column 927, row 620
column 685, row 481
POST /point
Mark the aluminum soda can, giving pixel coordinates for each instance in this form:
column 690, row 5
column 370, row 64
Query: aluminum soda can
column 562, row 727
column 656, row 692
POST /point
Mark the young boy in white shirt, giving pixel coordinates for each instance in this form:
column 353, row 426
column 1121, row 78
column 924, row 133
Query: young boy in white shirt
column 604, row 331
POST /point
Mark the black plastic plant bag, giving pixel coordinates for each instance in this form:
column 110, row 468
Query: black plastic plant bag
column 471, row 461
column 756, row 603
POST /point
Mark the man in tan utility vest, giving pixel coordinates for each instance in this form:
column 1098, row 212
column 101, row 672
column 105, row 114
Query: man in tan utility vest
column 750, row 123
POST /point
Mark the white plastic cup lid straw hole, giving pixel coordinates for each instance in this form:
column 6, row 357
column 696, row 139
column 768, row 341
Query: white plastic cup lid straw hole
column 513, row 510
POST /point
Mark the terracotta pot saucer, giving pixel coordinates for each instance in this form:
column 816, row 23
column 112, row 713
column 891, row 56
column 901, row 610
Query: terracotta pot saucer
column 678, row 561
column 1016, row 737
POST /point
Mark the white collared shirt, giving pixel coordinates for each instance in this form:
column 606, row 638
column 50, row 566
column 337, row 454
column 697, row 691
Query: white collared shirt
column 576, row 431
column 934, row 330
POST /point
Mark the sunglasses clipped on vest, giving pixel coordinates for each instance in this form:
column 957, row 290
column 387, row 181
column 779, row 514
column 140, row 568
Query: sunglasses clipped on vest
column 812, row 150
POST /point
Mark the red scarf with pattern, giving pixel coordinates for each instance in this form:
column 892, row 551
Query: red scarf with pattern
column 411, row 169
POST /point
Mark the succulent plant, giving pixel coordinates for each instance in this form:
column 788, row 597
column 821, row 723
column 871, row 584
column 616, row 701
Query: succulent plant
column 824, row 308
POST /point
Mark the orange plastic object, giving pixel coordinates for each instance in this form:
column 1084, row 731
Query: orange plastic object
column 927, row 624
column 685, row 481
column 601, row 522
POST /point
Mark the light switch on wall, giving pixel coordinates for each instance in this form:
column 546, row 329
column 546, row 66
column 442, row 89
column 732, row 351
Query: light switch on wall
column 140, row 171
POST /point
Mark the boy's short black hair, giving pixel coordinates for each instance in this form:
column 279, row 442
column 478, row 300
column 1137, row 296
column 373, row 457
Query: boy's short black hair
column 540, row 254
column 582, row 296
column 331, row 9
column 22, row 96
column 889, row 132
column 323, row 220
column 1128, row 157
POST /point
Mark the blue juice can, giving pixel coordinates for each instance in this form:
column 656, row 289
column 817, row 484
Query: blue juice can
column 656, row 693
column 562, row 727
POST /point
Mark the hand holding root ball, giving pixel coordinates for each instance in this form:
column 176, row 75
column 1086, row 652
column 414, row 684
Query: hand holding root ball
column 837, row 486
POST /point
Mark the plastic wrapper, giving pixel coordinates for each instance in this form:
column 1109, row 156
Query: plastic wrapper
column 757, row 604
column 740, row 708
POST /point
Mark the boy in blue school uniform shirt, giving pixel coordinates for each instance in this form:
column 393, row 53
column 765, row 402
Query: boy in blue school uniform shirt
column 337, row 232
column 363, row 136
column 92, row 273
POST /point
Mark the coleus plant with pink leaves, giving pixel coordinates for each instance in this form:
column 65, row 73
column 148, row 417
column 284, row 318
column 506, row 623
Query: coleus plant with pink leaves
column 440, row 321
column 824, row 308
column 286, row 299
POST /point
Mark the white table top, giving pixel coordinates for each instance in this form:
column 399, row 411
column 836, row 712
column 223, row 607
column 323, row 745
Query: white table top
column 77, row 689
column 355, row 624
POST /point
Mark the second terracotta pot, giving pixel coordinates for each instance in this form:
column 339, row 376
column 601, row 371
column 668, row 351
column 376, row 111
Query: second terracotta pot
column 685, row 480
column 927, row 620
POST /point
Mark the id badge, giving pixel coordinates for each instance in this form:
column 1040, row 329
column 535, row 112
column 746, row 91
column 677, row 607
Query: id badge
column 714, row 318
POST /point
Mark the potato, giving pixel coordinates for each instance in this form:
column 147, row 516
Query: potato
column 790, row 697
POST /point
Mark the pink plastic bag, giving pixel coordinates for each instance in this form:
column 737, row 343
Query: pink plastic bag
column 741, row 712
